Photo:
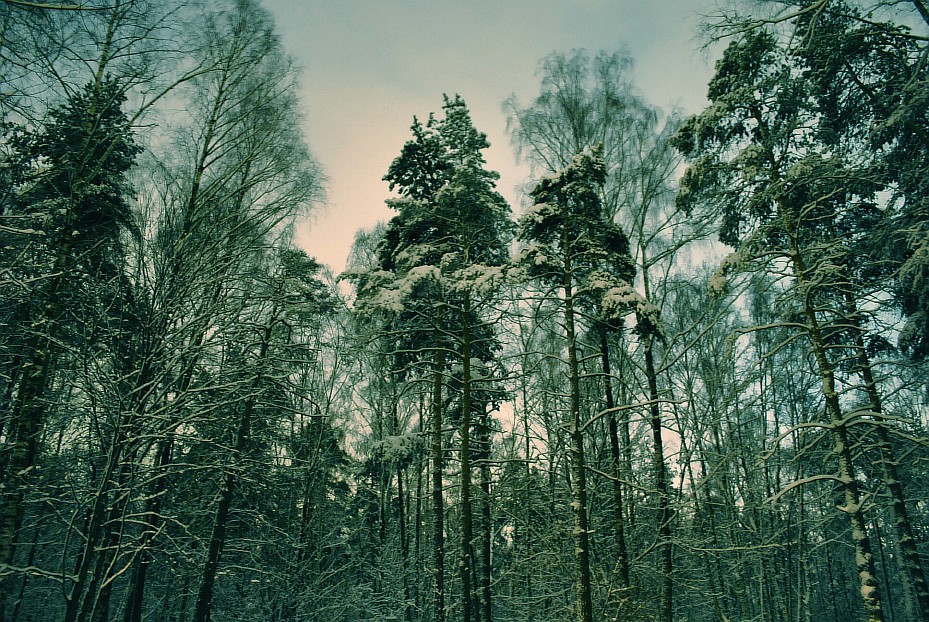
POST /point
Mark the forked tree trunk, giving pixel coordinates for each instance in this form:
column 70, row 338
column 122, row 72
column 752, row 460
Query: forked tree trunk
column 864, row 559
column 912, row 572
column 619, row 533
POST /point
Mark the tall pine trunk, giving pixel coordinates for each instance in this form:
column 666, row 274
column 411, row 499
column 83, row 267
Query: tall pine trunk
column 660, row 470
column 583, row 598
column 467, row 525
column 912, row 573
column 864, row 559
column 438, row 500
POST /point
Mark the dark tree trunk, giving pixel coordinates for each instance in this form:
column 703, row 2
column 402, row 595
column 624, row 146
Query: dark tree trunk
column 619, row 533
column 584, row 599
column 665, row 547
column 204, row 604
column 438, row 500
column 486, row 533
column 467, row 525
column 27, row 417
column 135, row 594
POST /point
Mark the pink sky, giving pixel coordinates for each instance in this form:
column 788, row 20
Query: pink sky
column 370, row 65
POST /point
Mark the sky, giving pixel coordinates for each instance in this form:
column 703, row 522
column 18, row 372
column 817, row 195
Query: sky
column 369, row 66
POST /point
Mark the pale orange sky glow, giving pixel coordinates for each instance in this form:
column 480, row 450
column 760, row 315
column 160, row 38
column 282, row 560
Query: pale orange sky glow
column 370, row 66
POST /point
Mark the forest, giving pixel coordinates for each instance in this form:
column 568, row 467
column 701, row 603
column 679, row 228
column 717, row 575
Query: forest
column 684, row 381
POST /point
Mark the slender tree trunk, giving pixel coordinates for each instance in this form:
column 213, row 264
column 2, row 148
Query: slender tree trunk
column 885, row 574
column 418, row 522
column 96, row 607
column 864, row 559
column 626, row 444
column 204, row 604
column 17, row 603
column 135, row 594
column 912, row 570
column 438, row 501
column 467, row 527
column 584, row 600
column 404, row 547
column 303, row 568
column 619, row 533
column 83, row 595
column 530, row 617
column 486, row 527
column 804, row 585
column 665, row 548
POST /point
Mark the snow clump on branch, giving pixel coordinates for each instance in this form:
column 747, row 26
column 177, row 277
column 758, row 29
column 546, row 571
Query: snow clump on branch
column 392, row 296
column 719, row 280
column 539, row 213
column 478, row 279
column 619, row 301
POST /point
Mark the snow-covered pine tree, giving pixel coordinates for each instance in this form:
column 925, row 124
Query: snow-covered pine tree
column 570, row 246
column 441, row 260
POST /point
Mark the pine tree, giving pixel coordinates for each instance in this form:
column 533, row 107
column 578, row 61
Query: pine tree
column 75, row 198
column 443, row 256
column 782, row 197
column 570, row 246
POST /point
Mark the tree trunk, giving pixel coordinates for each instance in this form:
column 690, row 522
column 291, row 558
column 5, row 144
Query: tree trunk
column 27, row 418
column 438, row 502
column 618, row 519
column 584, row 600
column 418, row 523
column 404, row 547
column 912, row 570
column 665, row 548
column 864, row 559
column 486, row 527
column 82, row 597
column 467, row 526
column 204, row 604
column 135, row 593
